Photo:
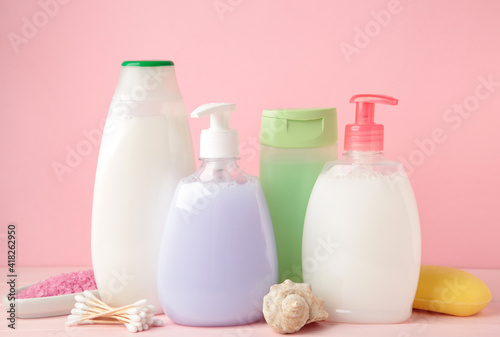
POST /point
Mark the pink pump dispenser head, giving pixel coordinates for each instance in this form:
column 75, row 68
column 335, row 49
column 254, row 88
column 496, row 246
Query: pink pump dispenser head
column 365, row 134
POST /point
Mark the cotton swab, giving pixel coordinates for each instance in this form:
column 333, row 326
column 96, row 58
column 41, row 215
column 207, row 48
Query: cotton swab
column 91, row 310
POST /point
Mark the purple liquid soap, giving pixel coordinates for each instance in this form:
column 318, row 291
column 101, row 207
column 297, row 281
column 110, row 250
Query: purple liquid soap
column 218, row 256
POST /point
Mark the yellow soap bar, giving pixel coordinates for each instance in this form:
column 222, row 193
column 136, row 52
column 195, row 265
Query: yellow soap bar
column 450, row 291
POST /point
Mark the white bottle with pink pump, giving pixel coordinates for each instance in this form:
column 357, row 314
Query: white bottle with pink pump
column 361, row 244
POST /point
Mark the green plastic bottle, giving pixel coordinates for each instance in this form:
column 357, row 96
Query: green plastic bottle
column 295, row 144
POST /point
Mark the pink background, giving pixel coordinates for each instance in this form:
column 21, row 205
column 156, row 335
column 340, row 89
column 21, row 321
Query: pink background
column 434, row 56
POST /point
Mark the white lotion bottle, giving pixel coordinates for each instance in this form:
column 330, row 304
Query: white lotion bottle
column 146, row 149
column 361, row 246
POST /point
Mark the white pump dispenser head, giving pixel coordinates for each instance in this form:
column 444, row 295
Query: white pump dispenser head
column 219, row 141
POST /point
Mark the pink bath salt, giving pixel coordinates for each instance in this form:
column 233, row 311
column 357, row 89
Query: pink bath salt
column 62, row 284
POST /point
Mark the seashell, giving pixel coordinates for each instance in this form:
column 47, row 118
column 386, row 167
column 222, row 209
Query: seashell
column 289, row 306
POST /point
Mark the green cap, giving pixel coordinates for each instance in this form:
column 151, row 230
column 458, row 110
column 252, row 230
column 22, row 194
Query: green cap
column 151, row 63
column 299, row 128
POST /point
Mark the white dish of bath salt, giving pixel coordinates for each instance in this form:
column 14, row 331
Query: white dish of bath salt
column 40, row 307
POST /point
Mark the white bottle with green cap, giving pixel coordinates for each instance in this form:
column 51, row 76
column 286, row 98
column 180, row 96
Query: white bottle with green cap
column 146, row 148
column 295, row 144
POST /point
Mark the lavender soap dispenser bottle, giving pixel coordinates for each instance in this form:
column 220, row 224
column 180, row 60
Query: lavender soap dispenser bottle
column 218, row 255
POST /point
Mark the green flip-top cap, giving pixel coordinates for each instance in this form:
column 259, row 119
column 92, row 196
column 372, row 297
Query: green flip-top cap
column 299, row 128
